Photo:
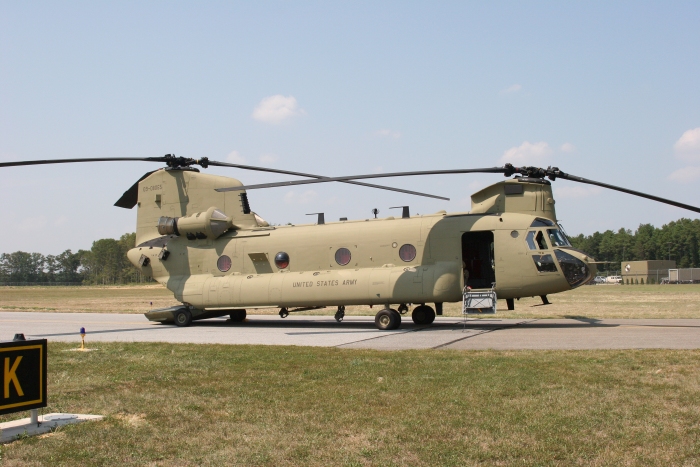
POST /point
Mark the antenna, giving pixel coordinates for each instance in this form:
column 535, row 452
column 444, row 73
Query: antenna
column 321, row 218
column 405, row 214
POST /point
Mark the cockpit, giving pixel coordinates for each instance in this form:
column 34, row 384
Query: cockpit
column 543, row 237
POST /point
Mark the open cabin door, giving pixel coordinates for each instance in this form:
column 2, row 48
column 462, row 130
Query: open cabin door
column 478, row 258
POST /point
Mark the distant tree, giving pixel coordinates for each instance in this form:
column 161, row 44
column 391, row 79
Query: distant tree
column 646, row 243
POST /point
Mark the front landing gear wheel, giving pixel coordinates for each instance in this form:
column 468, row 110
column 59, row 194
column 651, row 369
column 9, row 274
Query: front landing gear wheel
column 423, row 314
column 183, row 318
column 284, row 313
column 387, row 319
column 340, row 314
column 237, row 316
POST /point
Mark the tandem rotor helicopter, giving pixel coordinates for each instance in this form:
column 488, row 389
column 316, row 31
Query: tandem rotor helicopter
column 197, row 235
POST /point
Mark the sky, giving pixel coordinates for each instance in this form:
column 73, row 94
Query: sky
column 609, row 91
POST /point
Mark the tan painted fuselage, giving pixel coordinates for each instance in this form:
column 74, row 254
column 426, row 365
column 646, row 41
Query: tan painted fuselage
column 375, row 274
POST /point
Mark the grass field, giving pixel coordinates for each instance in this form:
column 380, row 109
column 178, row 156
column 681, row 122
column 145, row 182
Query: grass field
column 600, row 301
column 247, row 405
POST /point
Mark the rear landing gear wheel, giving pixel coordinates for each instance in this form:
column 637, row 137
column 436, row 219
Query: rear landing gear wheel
column 238, row 315
column 183, row 318
column 284, row 313
column 340, row 314
column 387, row 319
column 423, row 314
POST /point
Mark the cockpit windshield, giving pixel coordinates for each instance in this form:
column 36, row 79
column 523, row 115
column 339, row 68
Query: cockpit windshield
column 557, row 238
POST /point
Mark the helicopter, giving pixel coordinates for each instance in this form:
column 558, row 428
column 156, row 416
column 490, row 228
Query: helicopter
column 197, row 235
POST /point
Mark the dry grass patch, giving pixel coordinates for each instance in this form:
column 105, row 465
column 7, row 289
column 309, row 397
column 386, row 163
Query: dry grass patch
column 599, row 301
column 172, row 404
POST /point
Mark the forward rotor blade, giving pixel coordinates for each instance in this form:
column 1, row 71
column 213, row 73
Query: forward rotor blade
column 495, row 170
column 70, row 161
column 319, row 177
column 575, row 178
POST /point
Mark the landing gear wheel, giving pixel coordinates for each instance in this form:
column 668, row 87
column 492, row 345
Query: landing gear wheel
column 238, row 315
column 183, row 318
column 423, row 314
column 387, row 319
column 284, row 313
column 340, row 314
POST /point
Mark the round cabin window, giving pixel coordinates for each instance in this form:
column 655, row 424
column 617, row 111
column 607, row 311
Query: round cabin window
column 342, row 256
column 224, row 263
column 407, row 252
column 281, row 260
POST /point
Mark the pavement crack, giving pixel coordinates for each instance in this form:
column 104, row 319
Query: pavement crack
column 484, row 332
column 382, row 336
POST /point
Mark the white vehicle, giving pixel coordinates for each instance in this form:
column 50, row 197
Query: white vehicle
column 613, row 280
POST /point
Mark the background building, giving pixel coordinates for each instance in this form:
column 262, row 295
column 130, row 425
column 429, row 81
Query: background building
column 645, row 272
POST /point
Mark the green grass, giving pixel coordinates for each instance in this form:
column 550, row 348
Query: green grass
column 172, row 404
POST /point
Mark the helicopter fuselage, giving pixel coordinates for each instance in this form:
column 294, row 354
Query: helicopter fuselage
column 419, row 259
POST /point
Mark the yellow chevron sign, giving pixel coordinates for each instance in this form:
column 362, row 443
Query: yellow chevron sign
column 22, row 375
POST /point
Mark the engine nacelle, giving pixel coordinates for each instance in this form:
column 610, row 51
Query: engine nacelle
column 209, row 224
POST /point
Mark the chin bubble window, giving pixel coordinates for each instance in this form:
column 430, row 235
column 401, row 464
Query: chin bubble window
column 342, row 256
column 544, row 263
column 281, row 260
column 224, row 263
column 407, row 252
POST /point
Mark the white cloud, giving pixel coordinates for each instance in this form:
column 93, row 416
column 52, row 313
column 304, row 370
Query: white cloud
column 235, row 158
column 511, row 89
column 388, row 133
column 275, row 109
column 60, row 220
column 567, row 147
column 688, row 145
column 268, row 158
column 527, row 154
column 576, row 191
column 292, row 197
column 685, row 175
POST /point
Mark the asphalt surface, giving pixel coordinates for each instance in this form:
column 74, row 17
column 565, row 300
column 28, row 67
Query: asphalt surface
column 360, row 332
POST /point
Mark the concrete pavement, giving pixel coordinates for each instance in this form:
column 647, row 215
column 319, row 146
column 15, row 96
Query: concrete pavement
column 360, row 332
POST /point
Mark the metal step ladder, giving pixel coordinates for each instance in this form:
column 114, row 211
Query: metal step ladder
column 479, row 301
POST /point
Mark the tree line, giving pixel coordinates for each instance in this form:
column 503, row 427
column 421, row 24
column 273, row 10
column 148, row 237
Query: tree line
column 679, row 240
column 105, row 263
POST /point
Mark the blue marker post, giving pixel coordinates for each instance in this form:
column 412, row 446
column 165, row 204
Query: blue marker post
column 82, row 337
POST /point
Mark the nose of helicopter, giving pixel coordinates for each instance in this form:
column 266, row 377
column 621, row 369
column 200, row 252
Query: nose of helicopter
column 577, row 266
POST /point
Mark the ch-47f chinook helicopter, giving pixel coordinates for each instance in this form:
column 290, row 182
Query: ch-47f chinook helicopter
column 196, row 235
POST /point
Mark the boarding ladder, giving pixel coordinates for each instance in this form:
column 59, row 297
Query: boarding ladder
column 478, row 301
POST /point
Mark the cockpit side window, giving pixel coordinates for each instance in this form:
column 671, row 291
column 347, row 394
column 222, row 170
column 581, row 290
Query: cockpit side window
column 535, row 240
column 557, row 238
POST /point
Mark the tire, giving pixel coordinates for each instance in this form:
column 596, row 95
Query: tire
column 431, row 315
column 183, row 318
column 397, row 317
column 237, row 316
column 387, row 320
column 423, row 315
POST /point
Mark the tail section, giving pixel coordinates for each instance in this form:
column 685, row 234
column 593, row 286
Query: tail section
column 180, row 193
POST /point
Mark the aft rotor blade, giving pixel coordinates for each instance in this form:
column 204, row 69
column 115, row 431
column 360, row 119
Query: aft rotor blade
column 70, row 161
column 131, row 196
column 319, row 177
column 575, row 178
column 495, row 170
